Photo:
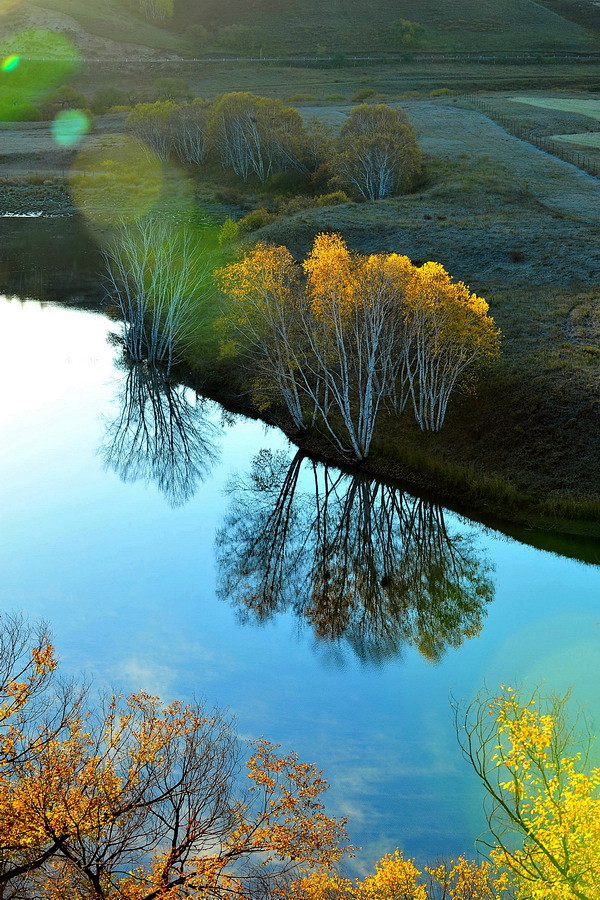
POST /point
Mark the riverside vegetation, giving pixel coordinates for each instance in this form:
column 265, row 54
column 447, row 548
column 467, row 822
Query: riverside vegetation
column 290, row 170
column 129, row 799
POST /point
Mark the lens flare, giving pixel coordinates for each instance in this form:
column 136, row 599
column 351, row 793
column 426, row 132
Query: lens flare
column 115, row 179
column 38, row 61
column 10, row 62
column 69, row 127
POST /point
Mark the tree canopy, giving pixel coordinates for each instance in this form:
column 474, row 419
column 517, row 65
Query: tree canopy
column 133, row 799
column 344, row 334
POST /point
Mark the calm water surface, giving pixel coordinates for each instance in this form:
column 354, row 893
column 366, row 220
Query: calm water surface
column 131, row 522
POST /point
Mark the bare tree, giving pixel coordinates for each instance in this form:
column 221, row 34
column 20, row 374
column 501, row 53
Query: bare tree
column 159, row 277
column 358, row 560
column 378, row 153
column 159, row 434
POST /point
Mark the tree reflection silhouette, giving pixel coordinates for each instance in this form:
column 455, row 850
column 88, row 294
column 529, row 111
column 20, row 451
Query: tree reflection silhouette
column 159, row 434
column 359, row 560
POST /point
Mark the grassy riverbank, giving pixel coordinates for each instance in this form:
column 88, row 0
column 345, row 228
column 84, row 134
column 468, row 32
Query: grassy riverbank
column 512, row 222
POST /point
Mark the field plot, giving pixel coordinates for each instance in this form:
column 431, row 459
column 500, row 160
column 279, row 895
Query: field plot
column 518, row 225
column 582, row 139
column 579, row 106
column 491, row 205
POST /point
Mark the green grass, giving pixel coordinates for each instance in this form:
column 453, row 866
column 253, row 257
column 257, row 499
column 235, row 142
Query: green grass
column 584, row 139
column 579, row 106
column 307, row 26
column 111, row 19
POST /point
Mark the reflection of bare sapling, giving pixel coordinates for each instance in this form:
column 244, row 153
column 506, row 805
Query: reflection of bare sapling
column 159, row 277
column 160, row 435
column 359, row 560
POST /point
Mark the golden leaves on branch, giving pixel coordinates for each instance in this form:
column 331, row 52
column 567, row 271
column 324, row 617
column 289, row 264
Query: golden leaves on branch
column 545, row 812
column 397, row 877
column 345, row 334
column 137, row 800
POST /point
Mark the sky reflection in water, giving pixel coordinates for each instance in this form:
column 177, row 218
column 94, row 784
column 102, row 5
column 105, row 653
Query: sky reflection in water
column 126, row 574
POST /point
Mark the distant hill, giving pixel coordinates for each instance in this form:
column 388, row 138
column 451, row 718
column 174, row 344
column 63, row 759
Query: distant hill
column 338, row 26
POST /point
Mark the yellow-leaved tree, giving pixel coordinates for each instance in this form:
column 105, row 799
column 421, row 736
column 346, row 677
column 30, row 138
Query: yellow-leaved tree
column 398, row 878
column 544, row 796
column 346, row 333
column 136, row 800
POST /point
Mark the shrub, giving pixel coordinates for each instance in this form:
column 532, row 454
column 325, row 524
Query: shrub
column 403, row 33
column 228, row 232
column 333, row 199
column 238, row 38
column 64, row 97
column 198, row 37
column 258, row 218
column 365, row 94
column 295, row 204
column 176, row 89
column 442, row 92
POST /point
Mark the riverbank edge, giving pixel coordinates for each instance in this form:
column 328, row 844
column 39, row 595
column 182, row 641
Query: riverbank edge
column 413, row 473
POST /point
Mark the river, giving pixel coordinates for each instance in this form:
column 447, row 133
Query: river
column 175, row 548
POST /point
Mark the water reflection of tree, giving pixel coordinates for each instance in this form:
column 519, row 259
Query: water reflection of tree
column 159, row 434
column 358, row 560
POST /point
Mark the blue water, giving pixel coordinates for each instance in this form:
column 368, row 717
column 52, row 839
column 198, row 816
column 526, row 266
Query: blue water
column 127, row 582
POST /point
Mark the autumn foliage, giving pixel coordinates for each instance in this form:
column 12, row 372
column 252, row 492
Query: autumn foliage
column 345, row 334
column 544, row 796
column 138, row 800
column 398, row 878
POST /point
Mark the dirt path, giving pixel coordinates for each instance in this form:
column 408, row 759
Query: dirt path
column 447, row 130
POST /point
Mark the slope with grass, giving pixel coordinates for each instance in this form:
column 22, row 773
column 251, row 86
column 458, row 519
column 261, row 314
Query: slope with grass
column 516, row 224
column 307, row 26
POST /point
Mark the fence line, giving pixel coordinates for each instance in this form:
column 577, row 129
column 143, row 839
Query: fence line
column 586, row 163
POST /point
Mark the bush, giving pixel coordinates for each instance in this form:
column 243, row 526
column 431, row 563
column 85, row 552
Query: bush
column 176, row 89
column 238, row 38
column 228, row 232
column 334, row 97
column 333, row 199
column 296, row 204
column 442, row 92
column 198, row 37
column 105, row 99
column 258, row 218
column 403, row 33
column 64, row 97
column 365, row 94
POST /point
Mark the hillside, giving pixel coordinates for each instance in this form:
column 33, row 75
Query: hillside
column 310, row 26
column 338, row 25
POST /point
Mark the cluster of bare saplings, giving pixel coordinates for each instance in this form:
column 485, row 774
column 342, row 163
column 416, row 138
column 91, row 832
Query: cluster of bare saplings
column 160, row 279
column 344, row 335
column 376, row 154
